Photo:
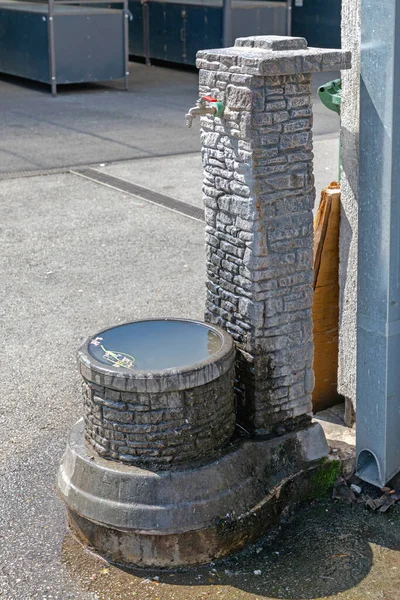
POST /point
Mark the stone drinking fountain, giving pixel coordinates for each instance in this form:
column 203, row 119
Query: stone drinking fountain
column 196, row 436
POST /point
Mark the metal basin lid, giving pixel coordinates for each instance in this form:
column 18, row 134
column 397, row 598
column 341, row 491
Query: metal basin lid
column 156, row 355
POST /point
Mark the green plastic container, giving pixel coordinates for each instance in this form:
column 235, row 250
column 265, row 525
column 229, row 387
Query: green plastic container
column 331, row 95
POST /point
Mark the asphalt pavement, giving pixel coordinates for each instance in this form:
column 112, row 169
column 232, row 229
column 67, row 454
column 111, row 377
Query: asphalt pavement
column 78, row 256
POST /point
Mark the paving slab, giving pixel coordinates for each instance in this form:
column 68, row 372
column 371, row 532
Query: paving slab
column 181, row 176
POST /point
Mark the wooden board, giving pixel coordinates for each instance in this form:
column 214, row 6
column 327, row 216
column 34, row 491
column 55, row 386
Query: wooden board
column 326, row 299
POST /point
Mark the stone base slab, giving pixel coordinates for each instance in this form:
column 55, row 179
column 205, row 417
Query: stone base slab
column 189, row 516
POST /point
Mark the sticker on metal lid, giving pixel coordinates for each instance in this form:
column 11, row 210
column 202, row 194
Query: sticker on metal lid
column 298, row 2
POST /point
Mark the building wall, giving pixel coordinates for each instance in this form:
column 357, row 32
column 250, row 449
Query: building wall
column 351, row 10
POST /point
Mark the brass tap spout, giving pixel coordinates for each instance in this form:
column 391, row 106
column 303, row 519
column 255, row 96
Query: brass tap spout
column 205, row 106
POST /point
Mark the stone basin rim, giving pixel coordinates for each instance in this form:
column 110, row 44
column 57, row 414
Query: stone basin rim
column 137, row 380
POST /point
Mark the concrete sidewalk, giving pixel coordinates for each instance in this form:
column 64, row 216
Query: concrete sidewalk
column 181, row 176
column 138, row 136
column 95, row 123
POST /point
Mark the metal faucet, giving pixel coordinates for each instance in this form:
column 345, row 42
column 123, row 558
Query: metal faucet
column 206, row 105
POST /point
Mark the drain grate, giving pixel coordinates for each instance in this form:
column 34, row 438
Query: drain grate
column 194, row 212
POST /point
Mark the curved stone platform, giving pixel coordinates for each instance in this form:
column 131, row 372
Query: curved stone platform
column 135, row 516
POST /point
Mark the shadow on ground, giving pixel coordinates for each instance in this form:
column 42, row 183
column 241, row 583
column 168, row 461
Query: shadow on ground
column 325, row 550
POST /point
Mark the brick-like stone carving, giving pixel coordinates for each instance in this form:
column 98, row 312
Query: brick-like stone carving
column 160, row 419
column 259, row 195
column 160, row 429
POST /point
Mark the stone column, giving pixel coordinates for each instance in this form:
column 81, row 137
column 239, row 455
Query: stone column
column 259, row 195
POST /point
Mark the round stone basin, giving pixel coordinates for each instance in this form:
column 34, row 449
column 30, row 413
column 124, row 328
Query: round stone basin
column 158, row 392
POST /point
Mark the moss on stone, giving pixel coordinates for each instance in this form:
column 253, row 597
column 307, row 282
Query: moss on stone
column 324, row 477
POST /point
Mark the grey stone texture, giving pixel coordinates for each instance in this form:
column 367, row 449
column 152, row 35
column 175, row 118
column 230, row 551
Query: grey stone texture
column 160, row 429
column 160, row 419
column 270, row 55
column 190, row 515
column 350, row 117
column 273, row 42
column 259, row 195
